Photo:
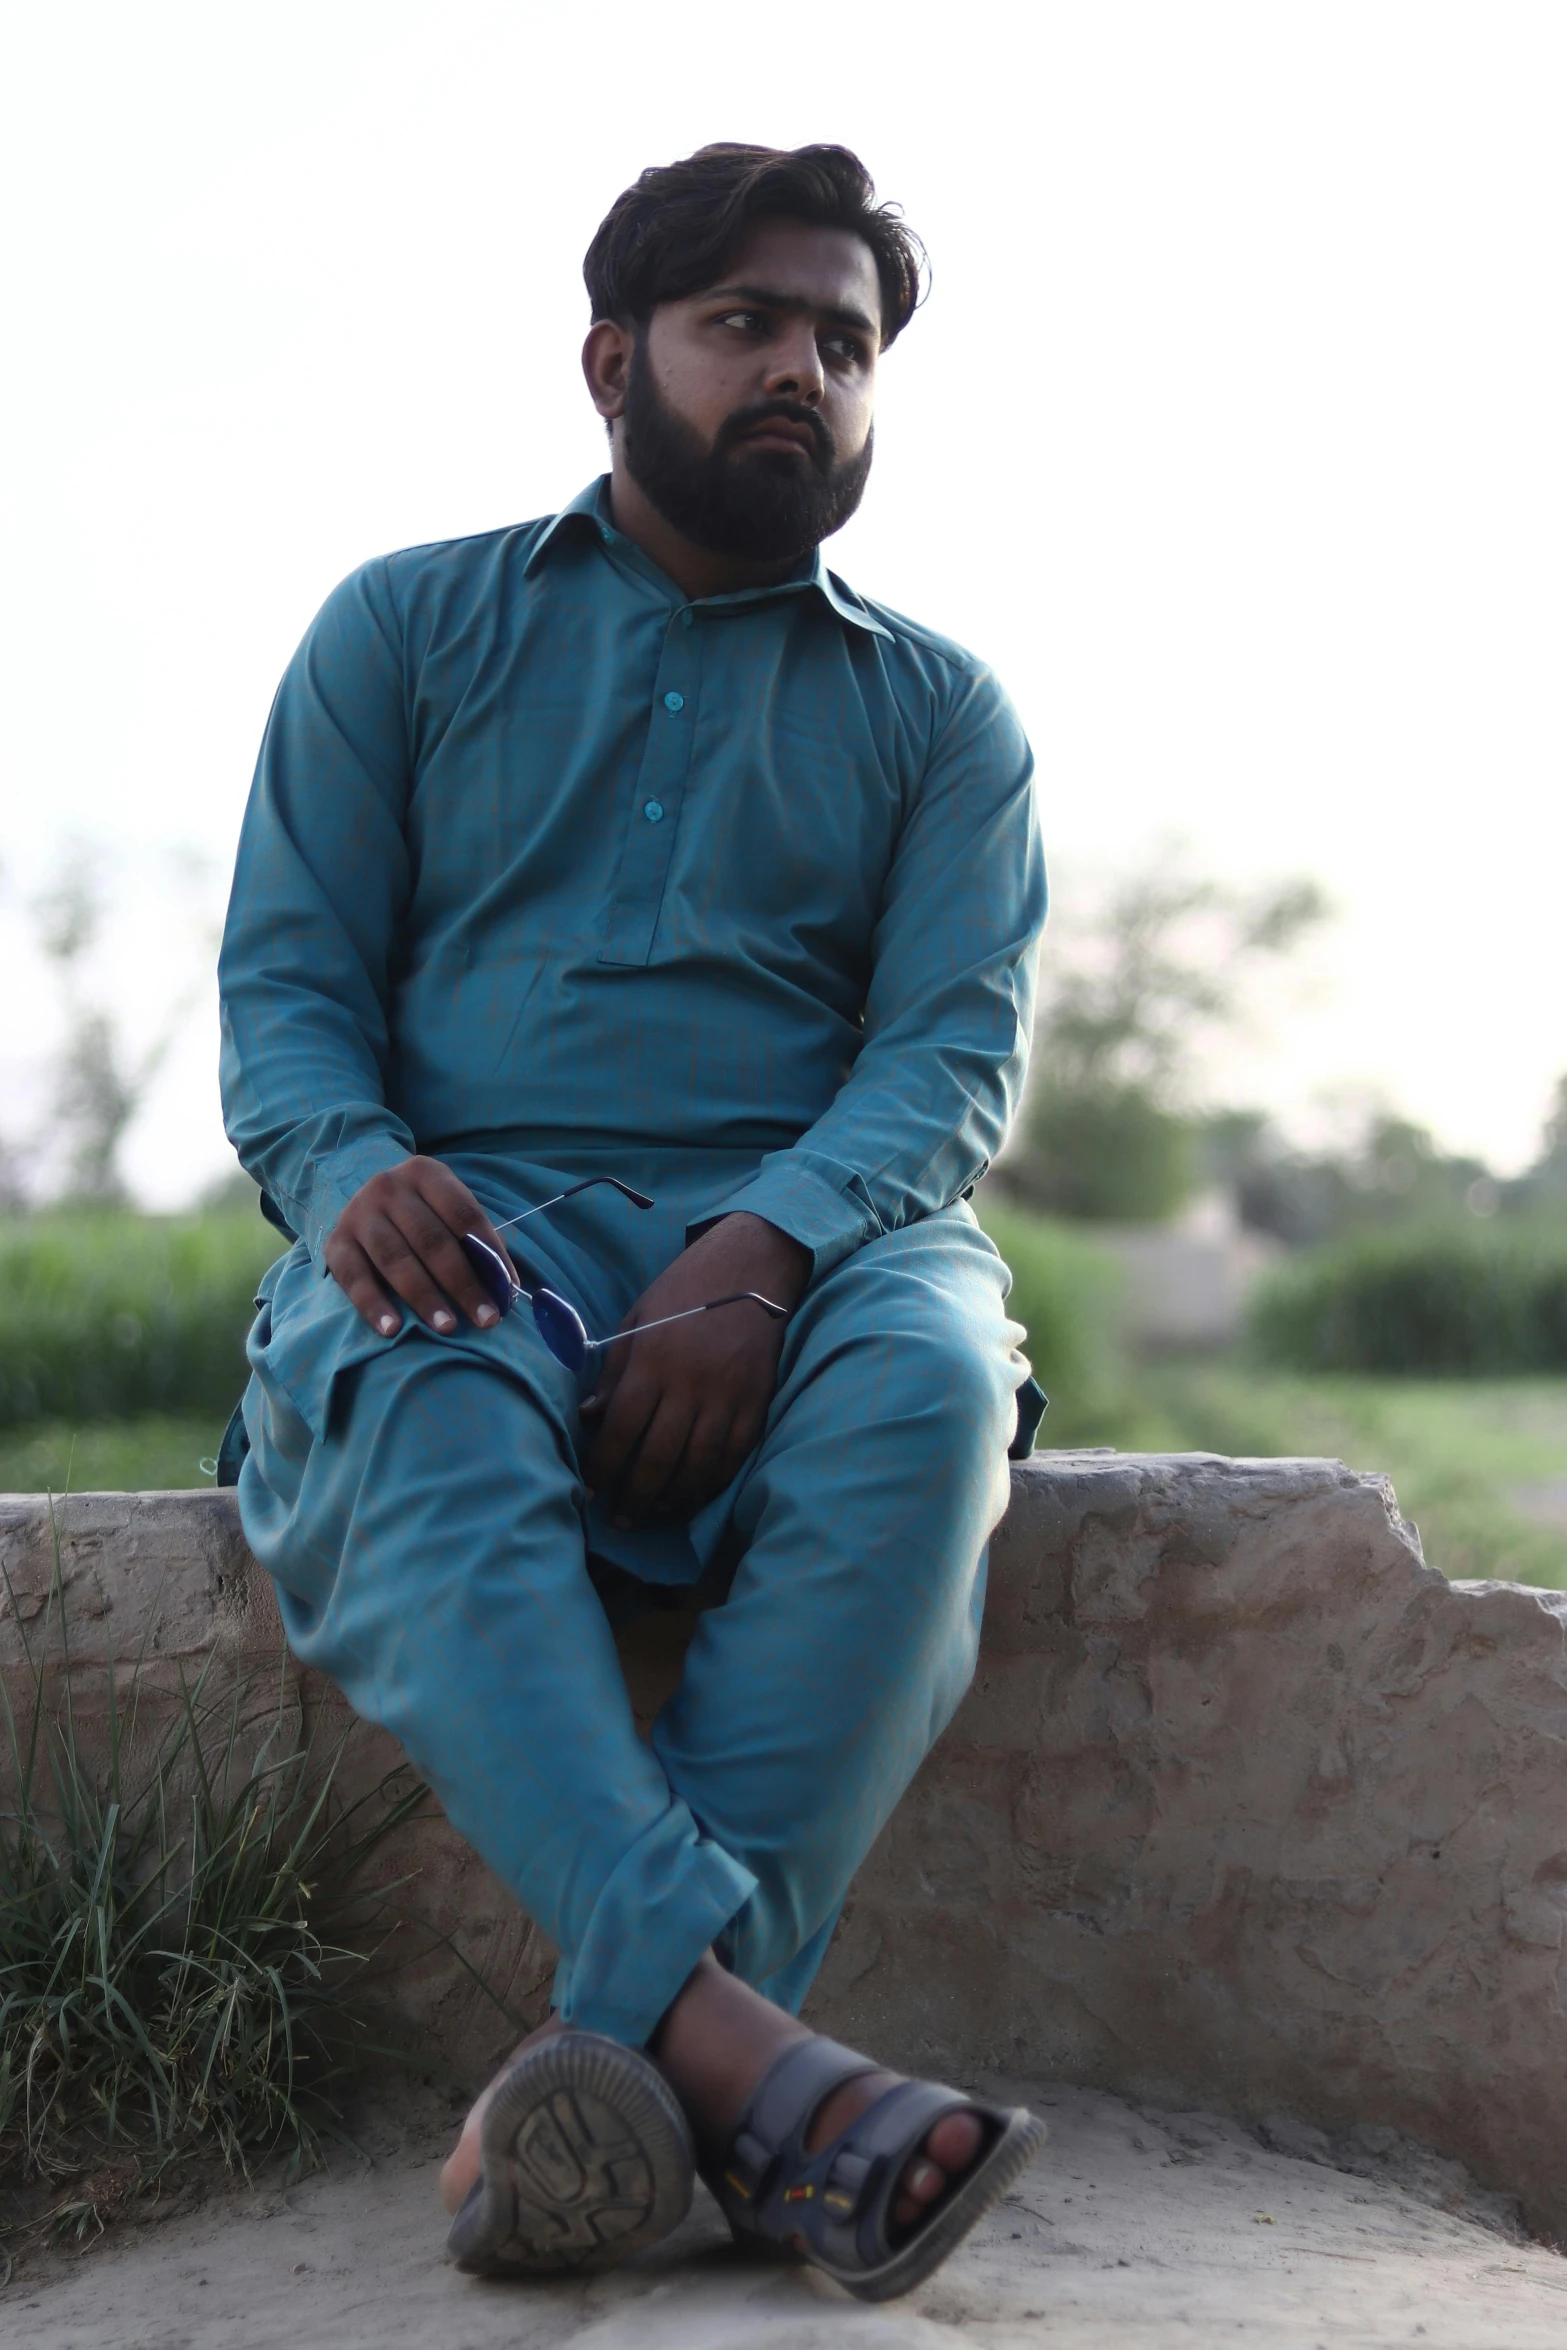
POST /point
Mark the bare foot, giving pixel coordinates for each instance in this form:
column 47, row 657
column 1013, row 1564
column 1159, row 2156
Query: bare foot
column 719, row 2038
column 461, row 2166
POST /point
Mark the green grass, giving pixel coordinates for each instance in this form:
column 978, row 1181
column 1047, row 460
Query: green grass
column 1459, row 1452
column 158, row 1450
column 1064, row 1292
column 1471, row 1301
column 109, row 1316
column 181, row 1947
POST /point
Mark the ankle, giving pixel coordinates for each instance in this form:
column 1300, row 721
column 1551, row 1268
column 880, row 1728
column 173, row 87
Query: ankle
column 714, row 2044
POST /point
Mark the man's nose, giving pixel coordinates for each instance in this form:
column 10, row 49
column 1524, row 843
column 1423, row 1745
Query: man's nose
column 795, row 368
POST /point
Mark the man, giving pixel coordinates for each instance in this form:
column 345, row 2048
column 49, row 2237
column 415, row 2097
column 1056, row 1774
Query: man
column 633, row 844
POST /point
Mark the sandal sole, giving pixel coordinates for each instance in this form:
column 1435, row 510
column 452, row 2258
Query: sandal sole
column 980, row 2189
column 584, row 2157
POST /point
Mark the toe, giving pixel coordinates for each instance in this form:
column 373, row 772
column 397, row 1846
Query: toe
column 955, row 2141
column 948, row 2151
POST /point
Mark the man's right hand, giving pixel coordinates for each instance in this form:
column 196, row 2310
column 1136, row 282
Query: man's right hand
column 400, row 1237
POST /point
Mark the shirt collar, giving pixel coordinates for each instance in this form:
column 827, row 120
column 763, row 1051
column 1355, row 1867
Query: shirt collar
column 589, row 513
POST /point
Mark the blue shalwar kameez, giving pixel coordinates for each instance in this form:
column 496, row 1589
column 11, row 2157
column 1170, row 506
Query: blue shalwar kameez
column 548, row 872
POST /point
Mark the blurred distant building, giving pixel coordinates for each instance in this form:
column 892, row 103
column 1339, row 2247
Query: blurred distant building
column 1185, row 1284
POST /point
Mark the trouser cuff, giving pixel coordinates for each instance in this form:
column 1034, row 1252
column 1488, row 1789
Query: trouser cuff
column 665, row 1904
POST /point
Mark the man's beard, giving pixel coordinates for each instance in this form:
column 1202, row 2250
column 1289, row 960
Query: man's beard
column 765, row 505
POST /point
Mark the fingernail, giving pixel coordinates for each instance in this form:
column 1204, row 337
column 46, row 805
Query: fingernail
column 388, row 1325
column 443, row 1320
column 923, row 2179
column 485, row 1316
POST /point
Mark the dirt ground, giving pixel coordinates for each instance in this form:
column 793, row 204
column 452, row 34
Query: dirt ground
column 1134, row 2229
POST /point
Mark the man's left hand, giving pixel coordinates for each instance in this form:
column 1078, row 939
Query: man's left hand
column 676, row 1411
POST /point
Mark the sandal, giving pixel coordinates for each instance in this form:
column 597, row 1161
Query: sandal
column 837, row 2205
column 584, row 2157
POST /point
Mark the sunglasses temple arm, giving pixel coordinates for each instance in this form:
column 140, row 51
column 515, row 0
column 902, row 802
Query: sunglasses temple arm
column 638, row 1198
column 527, row 1212
column 741, row 1297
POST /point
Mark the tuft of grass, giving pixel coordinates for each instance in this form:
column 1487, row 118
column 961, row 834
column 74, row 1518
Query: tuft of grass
column 181, row 1942
column 1454, row 1301
column 106, row 1314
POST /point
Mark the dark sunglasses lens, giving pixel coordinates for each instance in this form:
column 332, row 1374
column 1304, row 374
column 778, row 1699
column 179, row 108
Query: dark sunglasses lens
column 493, row 1271
column 560, row 1327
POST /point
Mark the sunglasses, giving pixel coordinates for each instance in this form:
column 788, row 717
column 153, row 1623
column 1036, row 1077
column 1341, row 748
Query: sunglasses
column 558, row 1322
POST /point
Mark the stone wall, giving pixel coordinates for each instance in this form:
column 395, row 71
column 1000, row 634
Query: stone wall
column 1248, row 1807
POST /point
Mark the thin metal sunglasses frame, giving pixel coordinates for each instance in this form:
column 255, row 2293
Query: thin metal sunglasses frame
column 558, row 1322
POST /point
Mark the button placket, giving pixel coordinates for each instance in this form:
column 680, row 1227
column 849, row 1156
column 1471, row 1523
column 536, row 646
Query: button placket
column 654, row 815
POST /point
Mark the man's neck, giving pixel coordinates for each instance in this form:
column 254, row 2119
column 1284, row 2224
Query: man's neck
column 695, row 570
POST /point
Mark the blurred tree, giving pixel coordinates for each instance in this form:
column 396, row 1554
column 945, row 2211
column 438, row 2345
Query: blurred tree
column 1553, row 1143
column 1129, row 994
column 1545, row 1184
column 13, row 1179
column 1393, row 1174
column 1109, row 1153
column 99, row 1084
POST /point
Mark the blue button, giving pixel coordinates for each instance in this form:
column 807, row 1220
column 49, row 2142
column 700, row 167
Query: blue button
column 674, row 701
column 654, row 811
column 686, row 617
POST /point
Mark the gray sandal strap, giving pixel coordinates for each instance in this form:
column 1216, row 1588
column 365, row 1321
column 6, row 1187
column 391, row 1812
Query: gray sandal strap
column 836, row 2204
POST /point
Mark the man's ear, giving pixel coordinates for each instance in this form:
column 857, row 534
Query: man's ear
column 606, row 363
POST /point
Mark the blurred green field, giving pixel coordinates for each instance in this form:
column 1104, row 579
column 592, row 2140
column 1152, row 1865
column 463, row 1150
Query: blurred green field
column 121, row 1355
column 1472, row 1301
column 122, row 1345
column 158, row 1449
column 106, row 1315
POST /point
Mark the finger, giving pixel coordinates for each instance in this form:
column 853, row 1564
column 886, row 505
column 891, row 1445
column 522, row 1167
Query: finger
column 610, row 1374
column 658, row 1456
column 700, row 1472
column 620, row 1430
column 355, row 1276
column 440, row 1250
column 404, row 1271
column 613, row 1364
column 449, row 1199
column 454, row 1203
column 745, row 1433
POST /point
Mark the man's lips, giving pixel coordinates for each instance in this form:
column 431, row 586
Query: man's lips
column 780, row 432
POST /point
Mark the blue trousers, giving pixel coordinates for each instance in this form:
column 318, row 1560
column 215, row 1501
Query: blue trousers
column 424, row 1516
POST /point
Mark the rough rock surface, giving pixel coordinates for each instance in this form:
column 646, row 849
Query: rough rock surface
column 1248, row 1807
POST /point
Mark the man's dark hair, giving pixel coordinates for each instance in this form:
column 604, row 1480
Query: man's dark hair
column 672, row 233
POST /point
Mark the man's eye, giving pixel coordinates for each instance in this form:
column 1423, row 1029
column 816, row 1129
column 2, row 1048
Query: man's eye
column 846, row 347
column 742, row 318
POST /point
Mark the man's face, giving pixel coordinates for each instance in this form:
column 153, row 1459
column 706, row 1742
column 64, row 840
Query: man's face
column 747, row 416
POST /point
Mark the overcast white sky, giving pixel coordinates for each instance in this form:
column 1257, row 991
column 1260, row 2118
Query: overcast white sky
column 1232, row 434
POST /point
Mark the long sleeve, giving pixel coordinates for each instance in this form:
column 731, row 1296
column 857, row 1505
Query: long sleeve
column 320, row 884
column 949, row 1008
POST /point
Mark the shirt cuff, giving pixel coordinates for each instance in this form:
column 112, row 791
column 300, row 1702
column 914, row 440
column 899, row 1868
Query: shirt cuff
column 830, row 1221
column 333, row 1182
